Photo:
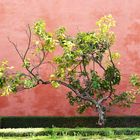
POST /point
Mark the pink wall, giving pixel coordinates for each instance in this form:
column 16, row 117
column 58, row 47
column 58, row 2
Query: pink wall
column 75, row 15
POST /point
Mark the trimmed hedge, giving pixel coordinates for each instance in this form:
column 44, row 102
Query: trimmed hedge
column 68, row 132
column 67, row 122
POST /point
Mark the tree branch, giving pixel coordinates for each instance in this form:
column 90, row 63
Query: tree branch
column 93, row 58
column 15, row 46
column 41, row 61
column 29, row 42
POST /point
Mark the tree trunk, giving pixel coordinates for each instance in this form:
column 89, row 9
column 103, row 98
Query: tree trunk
column 101, row 114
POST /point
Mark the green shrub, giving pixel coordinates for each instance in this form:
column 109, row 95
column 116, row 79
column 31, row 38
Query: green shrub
column 68, row 132
column 67, row 122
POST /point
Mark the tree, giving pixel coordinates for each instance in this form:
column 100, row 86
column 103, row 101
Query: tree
column 74, row 68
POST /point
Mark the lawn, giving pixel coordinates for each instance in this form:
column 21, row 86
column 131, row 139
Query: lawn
column 96, row 137
column 70, row 134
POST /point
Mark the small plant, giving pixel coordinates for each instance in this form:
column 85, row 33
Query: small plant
column 74, row 68
column 135, row 82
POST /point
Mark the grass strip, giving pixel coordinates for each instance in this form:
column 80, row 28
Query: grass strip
column 23, row 132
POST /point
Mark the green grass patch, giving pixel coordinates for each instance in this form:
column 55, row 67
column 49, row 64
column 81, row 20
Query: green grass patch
column 25, row 132
column 96, row 137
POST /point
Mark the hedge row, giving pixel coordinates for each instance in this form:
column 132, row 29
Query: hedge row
column 68, row 132
column 67, row 122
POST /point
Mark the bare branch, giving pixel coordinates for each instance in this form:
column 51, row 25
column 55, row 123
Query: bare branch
column 15, row 46
column 41, row 61
column 29, row 41
column 110, row 56
column 23, row 57
column 84, row 66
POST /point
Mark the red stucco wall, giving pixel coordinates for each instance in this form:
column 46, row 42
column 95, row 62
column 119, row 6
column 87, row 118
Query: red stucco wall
column 75, row 15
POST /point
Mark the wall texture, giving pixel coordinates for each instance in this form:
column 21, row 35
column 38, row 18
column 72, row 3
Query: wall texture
column 75, row 15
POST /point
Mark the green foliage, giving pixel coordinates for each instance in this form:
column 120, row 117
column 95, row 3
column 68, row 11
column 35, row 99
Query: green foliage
column 8, row 83
column 83, row 107
column 78, row 54
column 135, row 80
column 86, row 122
column 115, row 55
column 124, row 99
column 29, row 83
column 12, row 82
column 55, row 84
column 116, row 132
column 47, row 43
column 87, row 42
column 112, row 75
column 40, row 27
column 95, row 80
column 104, row 25
column 26, row 63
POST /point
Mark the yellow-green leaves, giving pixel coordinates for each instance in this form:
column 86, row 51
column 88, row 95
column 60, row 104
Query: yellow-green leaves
column 29, row 83
column 3, row 66
column 6, row 91
column 26, row 63
column 52, row 79
column 87, row 42
column 60, row 33
column 46, row 43
column 115, row 55
column 105, row 23
column 104, row 33
column 55, row 84
column 10, row 81
column 39, row 27
column 64, row 40
column 135, row 80
column 1, row 74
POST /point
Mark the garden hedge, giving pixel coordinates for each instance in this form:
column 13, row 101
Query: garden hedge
column 67, row 122
column 22, row 132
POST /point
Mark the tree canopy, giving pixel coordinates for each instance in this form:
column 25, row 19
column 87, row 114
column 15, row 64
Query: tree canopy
column 74, row 68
